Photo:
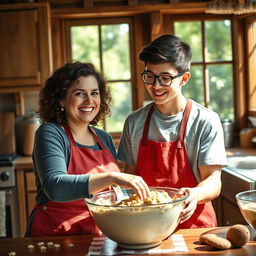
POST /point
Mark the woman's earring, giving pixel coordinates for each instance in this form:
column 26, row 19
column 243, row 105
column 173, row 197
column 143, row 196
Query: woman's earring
column 62, row 109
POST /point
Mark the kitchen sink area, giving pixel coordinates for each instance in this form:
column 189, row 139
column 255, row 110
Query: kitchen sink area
column 244, row 165
column 239, row 175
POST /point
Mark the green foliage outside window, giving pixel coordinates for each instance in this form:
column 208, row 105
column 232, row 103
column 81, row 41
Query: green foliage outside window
column 85, row 44
column 108, row 48
column 190, row 32
column 121, row 106
column 221, row 90
column 194, row 88
column 218, row 40
column 218, row 48
column 116, row 51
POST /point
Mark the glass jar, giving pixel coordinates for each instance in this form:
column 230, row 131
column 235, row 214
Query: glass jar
column 31, row 124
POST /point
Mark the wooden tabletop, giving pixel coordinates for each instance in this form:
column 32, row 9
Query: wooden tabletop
column 79, row 245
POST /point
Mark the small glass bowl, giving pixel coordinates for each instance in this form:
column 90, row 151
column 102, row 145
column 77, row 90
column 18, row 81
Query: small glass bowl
column 246, row 201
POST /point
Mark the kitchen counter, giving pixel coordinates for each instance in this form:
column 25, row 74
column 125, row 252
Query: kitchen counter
column 23, row 162
column 82, row 243
column 241, row 151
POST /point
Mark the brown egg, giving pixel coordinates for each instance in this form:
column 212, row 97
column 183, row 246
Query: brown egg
column 238, row 235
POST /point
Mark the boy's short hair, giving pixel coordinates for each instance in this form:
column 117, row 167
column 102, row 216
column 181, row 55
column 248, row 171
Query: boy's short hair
column 168, row 48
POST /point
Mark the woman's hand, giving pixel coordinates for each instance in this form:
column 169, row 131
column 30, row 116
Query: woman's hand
column 101, row 181
column 132, row 181
column 190, row 202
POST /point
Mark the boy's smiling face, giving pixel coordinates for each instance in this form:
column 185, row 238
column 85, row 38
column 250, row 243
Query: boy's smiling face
column 164, row 95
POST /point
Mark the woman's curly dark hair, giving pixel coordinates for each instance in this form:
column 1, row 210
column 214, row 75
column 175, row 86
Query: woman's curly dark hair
column 57, row 85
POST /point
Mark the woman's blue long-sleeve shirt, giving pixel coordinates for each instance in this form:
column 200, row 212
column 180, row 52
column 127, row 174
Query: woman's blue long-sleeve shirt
column 51, row 158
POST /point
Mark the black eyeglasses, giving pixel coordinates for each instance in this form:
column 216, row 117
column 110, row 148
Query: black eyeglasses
column 164, row 79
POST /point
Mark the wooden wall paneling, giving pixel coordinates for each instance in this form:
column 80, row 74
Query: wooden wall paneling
column 66, row 42
column 45, row 49
column 57, row 42
column 142, row 35
column 167, row 25
column 133, row 66
column 156, row 24
column 20, row 105
column 239, row 73
column 250, row 30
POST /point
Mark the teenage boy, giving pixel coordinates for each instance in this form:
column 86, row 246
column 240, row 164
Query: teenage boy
column 174, row 141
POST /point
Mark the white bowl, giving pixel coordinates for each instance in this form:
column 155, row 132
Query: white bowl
column 246, row 201
column 136, row 227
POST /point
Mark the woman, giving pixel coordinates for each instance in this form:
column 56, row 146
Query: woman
column 72, row 159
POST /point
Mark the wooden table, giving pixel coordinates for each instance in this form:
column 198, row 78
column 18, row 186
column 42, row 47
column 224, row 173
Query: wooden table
column 81, row 245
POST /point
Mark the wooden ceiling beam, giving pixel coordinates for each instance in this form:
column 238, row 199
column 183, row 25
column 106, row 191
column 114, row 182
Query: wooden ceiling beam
column 179, row 8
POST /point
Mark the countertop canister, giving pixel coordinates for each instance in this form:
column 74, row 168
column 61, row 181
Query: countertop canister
column 31, row 123
column 228, row 130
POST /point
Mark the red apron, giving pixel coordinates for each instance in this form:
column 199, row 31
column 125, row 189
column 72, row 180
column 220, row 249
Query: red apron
column 166, row 164
column 73, row 218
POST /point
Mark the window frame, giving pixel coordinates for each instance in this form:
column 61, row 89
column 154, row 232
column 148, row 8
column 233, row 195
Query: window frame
column 250, row 30
column 169, row 28
column 68, row 23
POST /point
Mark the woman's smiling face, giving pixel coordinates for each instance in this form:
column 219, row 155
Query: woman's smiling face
column 82, row 102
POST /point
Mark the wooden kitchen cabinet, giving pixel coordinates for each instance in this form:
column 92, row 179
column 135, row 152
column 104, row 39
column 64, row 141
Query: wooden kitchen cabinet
column 26, row 189
column 230, row 213
column 25, row 46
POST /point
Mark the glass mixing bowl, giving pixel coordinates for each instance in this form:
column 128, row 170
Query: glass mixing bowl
column 137, row 227
column 246, row 201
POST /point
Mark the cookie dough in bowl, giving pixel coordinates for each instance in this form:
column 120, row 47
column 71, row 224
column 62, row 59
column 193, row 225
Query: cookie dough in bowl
column 133, row 223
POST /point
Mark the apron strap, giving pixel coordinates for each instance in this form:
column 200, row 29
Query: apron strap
column 146, row 126
column 183, row 125
column 70, row 135
column 95, row 136
column 97, row 139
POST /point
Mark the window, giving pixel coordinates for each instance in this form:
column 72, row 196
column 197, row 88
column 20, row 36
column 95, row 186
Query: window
column 251, row 62
column 211, row 82
column 107, row 44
